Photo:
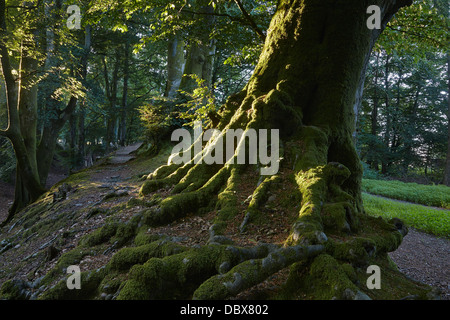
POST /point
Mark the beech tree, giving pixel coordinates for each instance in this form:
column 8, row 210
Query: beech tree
column 21, row 95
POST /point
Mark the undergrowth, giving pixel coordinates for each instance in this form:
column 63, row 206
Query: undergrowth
column 430, row 220
column 429, row 195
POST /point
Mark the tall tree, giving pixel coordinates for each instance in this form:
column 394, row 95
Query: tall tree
column 22, row 107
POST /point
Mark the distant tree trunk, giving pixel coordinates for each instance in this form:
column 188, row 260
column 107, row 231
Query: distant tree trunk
column 81, row 136
column 111, row 93
column 52, row 127
column 408, row 134
column 200, row 56
column 124, row 105
column 447, row 161
column 175, row 65
column 387, row 133
column 396, row 130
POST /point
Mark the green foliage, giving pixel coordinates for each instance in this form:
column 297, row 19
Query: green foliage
column 200, row 102
column 402, row 125
column 369, row 173
column 418, row 28
column 429, row 195
column 155, row 119
column 430, row 220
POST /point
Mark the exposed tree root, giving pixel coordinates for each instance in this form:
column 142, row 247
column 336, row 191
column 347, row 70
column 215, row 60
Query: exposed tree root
column 252, row 272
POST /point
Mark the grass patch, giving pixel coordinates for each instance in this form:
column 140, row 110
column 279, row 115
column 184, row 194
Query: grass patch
column 429, row 195
column 430, row 220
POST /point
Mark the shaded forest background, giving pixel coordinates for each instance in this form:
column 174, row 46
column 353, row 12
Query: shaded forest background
column 130, row 87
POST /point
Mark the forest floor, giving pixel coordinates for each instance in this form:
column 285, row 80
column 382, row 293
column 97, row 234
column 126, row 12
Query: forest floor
column 421, row 256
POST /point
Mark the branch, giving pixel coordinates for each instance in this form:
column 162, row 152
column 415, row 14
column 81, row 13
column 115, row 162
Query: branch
column 247, row 20
column 418, row 35
column 251, row 21
column 232, row 18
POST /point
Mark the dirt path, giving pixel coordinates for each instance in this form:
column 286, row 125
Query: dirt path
column 124, row 154
column 426, row 258
column 121, row 156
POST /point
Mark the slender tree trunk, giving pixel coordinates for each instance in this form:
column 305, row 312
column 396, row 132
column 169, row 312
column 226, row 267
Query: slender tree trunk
column 111, row 93
column 124, row 105
column 53, row 127
column 408, row 134
column 374, row 120
column 447, row 161
column 387, row 133
column 175, row 65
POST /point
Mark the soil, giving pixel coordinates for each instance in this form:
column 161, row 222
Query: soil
column 421, row 256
